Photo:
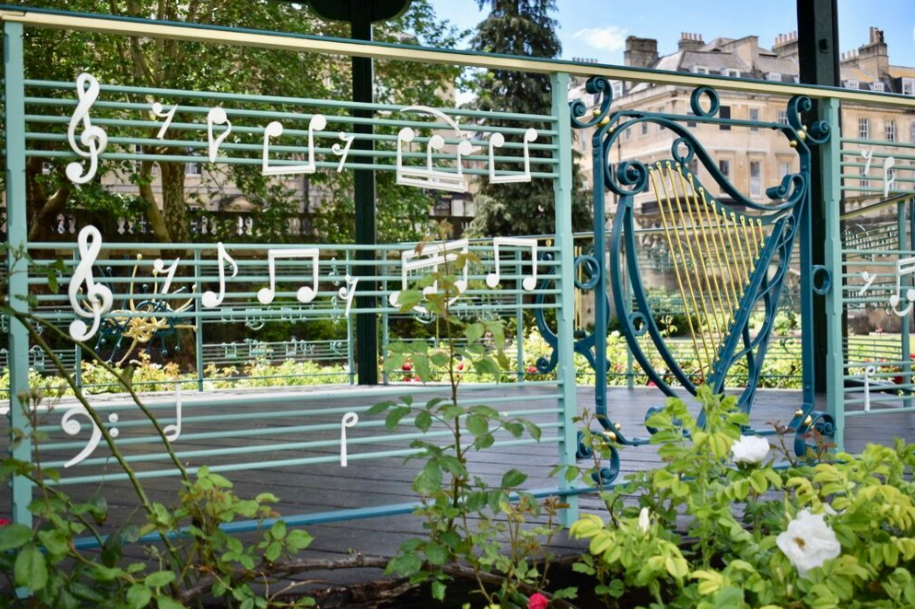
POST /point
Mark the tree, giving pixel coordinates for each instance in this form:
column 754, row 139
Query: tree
column 168, row 64
column 520, row 27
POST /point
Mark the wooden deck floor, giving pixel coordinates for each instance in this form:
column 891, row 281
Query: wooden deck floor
column 385, row 481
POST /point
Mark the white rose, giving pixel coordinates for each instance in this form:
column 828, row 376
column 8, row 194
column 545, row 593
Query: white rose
column 644, row 521
column 808, row 542
column 750, row 449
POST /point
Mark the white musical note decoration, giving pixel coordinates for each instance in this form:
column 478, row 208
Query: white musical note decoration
column 432, row 176
column 868, row 281
column 217, row 116
column 869, row 372
column 904, row 266
column 431, row 257
column 348, row 291
column 868, row 156
column 73, row 427
column 99, row 297
column 529, row 282
column 159, row 110
column 349, row 420
column 209, row 299
column 159, row 267
column 275, row 129
column 343, row 151
column 889, row 175
column 93, row 139
column 497, row 140
column 305, row 294
column 173, row 432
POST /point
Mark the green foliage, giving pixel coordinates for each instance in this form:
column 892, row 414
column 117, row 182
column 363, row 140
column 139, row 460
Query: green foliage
column 730, row 552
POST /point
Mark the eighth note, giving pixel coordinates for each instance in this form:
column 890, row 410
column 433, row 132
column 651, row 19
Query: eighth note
column 349, row 420
column 173, row 432
column 305, row 294
column 209, row 299
column 528, row 283
column 904, row 266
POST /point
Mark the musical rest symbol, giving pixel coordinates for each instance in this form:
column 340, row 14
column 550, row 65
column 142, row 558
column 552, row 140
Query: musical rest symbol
column 868, row 156
column 497, row 140
column 343, row 151
column 348, row 291
column 431, row 257
column 217, row 116
column 159, row 267
column 159, row 110
column 904, row 266
column 173, row 432
column 99, row 297
column 349, row 420
column 275, row 129
column 529, row 282
column 93, row 138
column 305, row 294
column 869, row 372
column 431, row 176
column 209, row 299
column 868, row 281
column 889, row 175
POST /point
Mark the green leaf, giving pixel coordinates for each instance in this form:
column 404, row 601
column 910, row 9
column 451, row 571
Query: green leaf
column 278, row 530
column 487, row 365
column 267, row 498
column 421, row 366
column 160, row 579
column 138, row 596
column 30, row 569
column 429, row 480
column 379, row 408
column 532, row 429
column 14, row 536
column 438, row 590
column 298, row 540
column 436, row 554
column 423, row 421
column 165, row 602
column 474, row 332
column 395, row 416
column 55, row 542
column 477, row 424
column 513, row 478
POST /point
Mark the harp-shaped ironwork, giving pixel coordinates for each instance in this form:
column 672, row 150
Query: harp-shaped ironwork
column 730, row 256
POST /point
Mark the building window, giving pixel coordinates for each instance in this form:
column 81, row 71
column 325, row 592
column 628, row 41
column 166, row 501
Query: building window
column 776, row 76
column 694, row 166
column 783, row 169
column 46, row 168
column 617, row 89
column 864, row 182
column 730, row 72
column 908, row 86
column 755, row 179
column 691, row 123
column 878, row 86
column 864, row 129
column 890, row 128
column 644, row 128
column 137, row 163
column 725, row 112
column 754, row 116
column 913, row 132
column 724, row 166
column 628, row 134
column 192, row 169
column 782, row 117
column 851, row 84
column 700, row 70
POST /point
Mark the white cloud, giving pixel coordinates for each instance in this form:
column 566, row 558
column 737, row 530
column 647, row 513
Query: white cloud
column 610, row 38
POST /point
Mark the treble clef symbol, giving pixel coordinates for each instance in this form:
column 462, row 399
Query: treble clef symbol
column 94, row 139
column 99, row 296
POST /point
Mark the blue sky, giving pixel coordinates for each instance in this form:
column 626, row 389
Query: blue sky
column 598, row 28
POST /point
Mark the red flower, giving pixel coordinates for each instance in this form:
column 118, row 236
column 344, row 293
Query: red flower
column 5, row 522
column 416, row 379
column 537, row 601
column 533, row 370
column 407, row 367
column 460, row 366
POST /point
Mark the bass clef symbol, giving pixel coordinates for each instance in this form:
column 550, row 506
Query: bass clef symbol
column 99, row 297
column 93, row 139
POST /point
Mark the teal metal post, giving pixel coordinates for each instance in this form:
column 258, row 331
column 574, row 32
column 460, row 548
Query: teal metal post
column 519, row 321
column 565, row 316
column 17, row 240
column 831, row 170
column 199, row 333
column 904, row 322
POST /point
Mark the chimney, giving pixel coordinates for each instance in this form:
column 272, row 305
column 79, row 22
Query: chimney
column 785, row 46
column 874, row 57
column 641, row 52
column 691, row 42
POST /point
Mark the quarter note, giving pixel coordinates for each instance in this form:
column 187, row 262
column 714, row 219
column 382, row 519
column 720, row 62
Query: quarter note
column 889, row 175
column 305, row 294
column 349, row 420
column 869, row 372
column 173, row 432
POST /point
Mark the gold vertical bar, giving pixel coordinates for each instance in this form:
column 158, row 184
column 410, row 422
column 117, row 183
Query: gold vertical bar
column 718, row 238
column 740, row 248
column 697, row 237
column 700, row 306
column 670, row 245
column 733, row 269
